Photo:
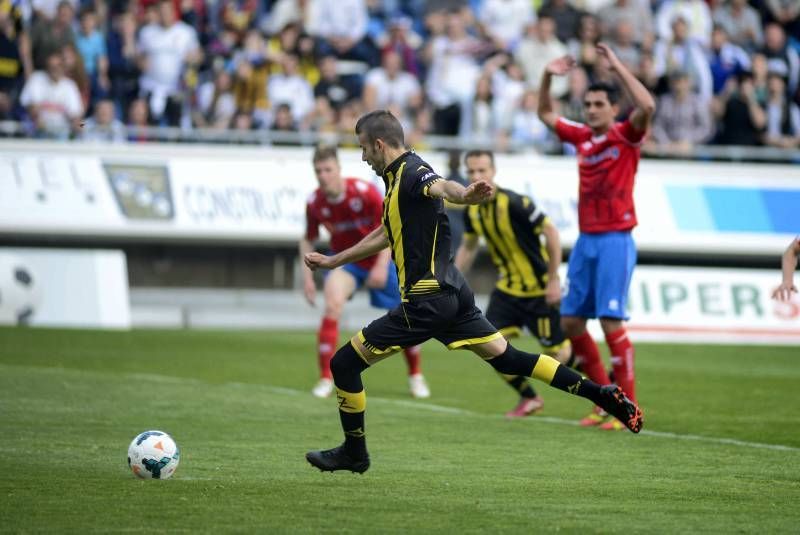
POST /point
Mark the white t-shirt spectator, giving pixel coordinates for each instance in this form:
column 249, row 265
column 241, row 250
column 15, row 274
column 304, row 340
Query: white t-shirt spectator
column 688, row 57
column 399, row 91
column 507, row 19
column 696, row 14
column 58, row 103
column 292, row 90
column 337, row 18
column 166, row 50
column 224, row 107
column 453, row 72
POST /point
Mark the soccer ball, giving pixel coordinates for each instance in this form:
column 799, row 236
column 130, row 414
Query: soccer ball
column 153, row 455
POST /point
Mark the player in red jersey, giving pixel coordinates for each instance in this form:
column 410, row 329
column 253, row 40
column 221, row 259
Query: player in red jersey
column 602, row 261
column 349, row 209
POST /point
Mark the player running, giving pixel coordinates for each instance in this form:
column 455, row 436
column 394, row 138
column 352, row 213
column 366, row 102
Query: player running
column 602, row 261
column 436, row 301
column 528, row 289
column 349, row 209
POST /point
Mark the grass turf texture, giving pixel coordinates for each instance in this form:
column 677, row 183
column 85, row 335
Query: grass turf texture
column 238, row 405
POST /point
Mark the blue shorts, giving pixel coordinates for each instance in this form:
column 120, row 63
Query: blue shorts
column 599, row 275
column 387, row 297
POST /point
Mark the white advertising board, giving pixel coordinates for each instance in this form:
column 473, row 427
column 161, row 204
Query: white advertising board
column 208, row 193
column 64, row 288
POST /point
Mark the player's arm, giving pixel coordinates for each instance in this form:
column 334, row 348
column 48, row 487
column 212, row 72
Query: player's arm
column 452, row 191
column 309, row 287
column 557, row 67
column 467, row 251
column 645, row 104
column 788, row 264
column 369, row 245
column 379, row 272
column 552, row 242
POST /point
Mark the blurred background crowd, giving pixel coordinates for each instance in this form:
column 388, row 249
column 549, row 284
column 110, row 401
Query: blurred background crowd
column 724, row 71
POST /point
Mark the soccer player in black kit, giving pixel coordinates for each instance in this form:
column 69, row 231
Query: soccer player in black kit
column 436, row 300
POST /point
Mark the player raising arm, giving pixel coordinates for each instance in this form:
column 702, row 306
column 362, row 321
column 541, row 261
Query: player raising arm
column 788, row 264
column 603, row 258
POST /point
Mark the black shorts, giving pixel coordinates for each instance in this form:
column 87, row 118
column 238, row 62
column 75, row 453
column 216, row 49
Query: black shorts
column 510, row 314
column 451, row 318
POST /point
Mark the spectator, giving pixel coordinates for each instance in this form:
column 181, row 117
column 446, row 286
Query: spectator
column 527, row 129
column 389, row 87
column 683, row 119
column 452, row 76
column 740, row 115
column 696, row 14
column 783, row 115
column 565, row 18
column 74, row 69
column 292, row 40
column 123, row 69
column 103, row 125
column 786, row 13
column 48, row 9
column 508, row 85
column 251, row 71
column 572, row 103
column 138, row 120
column 12, row 66
column 334, row 88
column 92, row 47
column 52, row 100
column 50, row 35
column 405, row 43
column 684, row 55
column 216, row 104
column 634, row 12
column 781, row 57
column 504, row 21
column 725, row 59
column 166, row 50
column 625, row 47
column 483, row 125
column 584, row 47
column 284, row 122
column 741, row 22
column 341, row 27
column 291, row 89
column 420, row 128
column 540, row 46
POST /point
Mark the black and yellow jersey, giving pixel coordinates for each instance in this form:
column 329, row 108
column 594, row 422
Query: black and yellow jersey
column 512, row 225
column 418, row 229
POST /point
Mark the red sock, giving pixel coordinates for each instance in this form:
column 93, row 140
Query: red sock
column 412, row 358
column 586, row 350
column 622, row 361
column 328, row 339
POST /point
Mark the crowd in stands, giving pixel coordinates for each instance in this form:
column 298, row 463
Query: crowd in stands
column 724, row 71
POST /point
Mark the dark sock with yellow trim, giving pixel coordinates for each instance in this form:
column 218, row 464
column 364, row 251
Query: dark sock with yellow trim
column 546, row 369
column 347, row 366
column 520, row 384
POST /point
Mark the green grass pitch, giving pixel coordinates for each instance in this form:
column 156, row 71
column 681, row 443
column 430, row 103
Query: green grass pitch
column 720, row 452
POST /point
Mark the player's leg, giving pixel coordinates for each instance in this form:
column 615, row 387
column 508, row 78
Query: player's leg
column 578, row 304
column 339, row 286
column 616, row 261
column 505, row 313
column 380, row 339
column 471, row 330
column 388, row 298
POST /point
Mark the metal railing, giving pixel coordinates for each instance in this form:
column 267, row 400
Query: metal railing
column 736, row 153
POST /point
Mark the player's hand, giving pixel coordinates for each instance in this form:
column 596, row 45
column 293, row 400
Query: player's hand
column 315, row 261
column 310, row 291
column 376, row 278
column 784, row 292
column 552, row 292
column 604, row 51
column 560, row 66
column 478, row 192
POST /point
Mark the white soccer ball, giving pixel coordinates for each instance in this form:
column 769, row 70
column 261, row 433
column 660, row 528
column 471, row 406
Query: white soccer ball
column 19, row 290
column 153, row 455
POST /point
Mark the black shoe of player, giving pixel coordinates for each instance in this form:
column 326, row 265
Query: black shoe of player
column 614, row 401
column 337, row 459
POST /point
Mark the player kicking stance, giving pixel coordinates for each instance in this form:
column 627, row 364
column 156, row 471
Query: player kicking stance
column 349, row 208
column 602, row 261
column 528, row 290
column 436, row 301
column 788, row 264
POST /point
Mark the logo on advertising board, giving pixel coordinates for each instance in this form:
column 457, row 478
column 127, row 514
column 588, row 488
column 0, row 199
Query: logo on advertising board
column 142, row 191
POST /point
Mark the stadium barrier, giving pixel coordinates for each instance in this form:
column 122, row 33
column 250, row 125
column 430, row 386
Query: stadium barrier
column 207, row 194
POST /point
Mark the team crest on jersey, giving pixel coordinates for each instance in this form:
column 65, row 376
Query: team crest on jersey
column 325, row 211
column 356, row 204
column 586, row 145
